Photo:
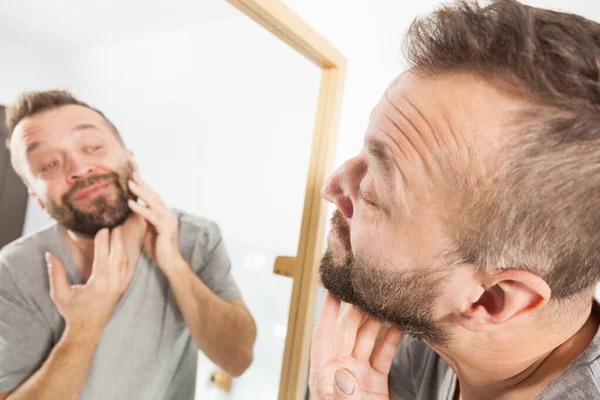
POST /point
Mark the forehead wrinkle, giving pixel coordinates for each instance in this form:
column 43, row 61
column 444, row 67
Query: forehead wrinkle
column 384, row 159
column 446, row 145
column 414, row 140
column 84, row 126
column 394, row 162
column 421, row 116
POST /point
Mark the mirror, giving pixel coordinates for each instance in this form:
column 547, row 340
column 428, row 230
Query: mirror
column 220, row 116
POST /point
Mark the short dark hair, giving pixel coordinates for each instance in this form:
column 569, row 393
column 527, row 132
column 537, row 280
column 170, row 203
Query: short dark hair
column 36, row 102
column 539, row 210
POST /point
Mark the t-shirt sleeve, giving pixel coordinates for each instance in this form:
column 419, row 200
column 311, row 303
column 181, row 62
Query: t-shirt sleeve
column 400, row 379
column 25, row 339
column 211, row 262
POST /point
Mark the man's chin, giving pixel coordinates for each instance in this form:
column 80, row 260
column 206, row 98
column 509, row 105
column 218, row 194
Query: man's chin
column 86, row 224
column 336, row 277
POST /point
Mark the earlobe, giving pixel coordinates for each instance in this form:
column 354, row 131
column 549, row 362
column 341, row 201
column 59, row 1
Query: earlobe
column 132, row 160
column 508, row 295
column 43, row 207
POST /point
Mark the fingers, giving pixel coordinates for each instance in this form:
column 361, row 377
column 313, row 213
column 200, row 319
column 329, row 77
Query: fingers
column 116, row 259
column 384, row 353
column 148, row 214
column 101, row 252
column 323, row 333
column 365, row 340
column 59, row 284
column 145, row 192
column 347, row 329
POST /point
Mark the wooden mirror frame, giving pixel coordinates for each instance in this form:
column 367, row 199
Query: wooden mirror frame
column 303, row 268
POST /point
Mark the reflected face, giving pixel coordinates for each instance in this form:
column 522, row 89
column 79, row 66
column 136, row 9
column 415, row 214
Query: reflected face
column 397, row 199
column 76, row 167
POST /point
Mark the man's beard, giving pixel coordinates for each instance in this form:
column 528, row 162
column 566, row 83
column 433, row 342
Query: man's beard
column 402, row 298
column 104, row 210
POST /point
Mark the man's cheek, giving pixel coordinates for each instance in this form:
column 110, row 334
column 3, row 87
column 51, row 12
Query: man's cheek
column 364, row 240
column 45, row 194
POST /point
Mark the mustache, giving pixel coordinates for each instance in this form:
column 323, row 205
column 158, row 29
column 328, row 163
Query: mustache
column 110, row 177
column 340, row 226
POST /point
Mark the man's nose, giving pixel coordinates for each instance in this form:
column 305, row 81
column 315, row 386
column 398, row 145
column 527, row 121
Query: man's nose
column 336, row 190
column 79, row 169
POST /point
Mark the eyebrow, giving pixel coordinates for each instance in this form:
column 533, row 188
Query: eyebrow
column 81, row 127
column 383, row 158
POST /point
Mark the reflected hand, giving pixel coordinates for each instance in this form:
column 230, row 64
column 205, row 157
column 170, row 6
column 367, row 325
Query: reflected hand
column 89, row 307
column 161, row 240
column 343, row 364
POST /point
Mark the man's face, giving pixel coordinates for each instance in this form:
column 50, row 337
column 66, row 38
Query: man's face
column 74, row 164
column 394, row 201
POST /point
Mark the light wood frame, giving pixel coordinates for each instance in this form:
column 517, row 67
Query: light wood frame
column 287, row 26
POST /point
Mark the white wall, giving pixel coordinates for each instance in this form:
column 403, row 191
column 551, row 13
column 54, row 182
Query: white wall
column 24, row 66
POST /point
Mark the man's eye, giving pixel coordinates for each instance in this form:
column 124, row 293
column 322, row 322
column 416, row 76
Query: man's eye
column 92, row 149
column 361, row 196
column 49, row 166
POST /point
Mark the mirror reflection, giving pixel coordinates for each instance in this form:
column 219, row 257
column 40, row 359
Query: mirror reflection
column 160, row 164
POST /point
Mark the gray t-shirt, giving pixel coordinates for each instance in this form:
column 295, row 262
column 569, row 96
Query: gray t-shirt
column 419, row 373
column 146, row 351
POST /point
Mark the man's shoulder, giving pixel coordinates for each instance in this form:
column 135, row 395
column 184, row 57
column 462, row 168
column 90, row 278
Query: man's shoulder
column 29, row 248
column 23, row 268
column 196, row 231
column 579, row 381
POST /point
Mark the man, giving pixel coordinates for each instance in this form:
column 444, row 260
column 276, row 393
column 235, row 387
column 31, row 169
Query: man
column 471, row 219
column 130, row 291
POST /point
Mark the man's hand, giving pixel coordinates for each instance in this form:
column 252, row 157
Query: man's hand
column 161, row 241
column 343, row 364
column 89, row 307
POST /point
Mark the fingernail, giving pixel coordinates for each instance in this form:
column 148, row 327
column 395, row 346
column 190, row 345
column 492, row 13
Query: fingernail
column 48, row 260
column 344, row 382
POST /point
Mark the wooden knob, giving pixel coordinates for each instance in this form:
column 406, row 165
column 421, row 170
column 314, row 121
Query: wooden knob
column 222, row 380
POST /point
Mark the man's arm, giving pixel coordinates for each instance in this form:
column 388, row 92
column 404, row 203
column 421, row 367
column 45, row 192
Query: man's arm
column 224, row 330
column 65, row 371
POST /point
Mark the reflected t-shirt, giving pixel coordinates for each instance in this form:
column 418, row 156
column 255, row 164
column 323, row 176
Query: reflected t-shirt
column 146, row 351
column 419, row 373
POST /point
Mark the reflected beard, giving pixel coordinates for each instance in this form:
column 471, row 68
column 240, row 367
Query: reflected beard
column 104, row 211
column 402, row 298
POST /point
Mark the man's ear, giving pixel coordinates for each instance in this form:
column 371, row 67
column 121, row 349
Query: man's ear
column 131, row 158
column 41, row 204
column 503, row 297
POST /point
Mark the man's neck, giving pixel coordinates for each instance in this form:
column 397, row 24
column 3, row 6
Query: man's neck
column 82, row 252
column 525, row 366
column 82, row 248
